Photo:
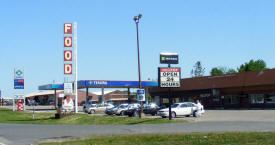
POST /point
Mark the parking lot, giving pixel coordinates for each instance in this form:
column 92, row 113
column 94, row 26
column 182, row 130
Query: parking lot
column 237, row 115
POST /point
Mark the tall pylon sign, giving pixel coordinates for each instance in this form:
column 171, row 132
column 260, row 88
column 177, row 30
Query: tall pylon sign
column 70, row 57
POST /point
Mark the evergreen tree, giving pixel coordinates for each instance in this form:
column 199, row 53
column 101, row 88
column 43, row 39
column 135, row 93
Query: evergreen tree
column 197, row 70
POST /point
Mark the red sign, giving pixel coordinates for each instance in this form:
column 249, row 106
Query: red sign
column 68, row 69
column 169, row 69
column 67, row 41
column 67, row 28
column 68, row 55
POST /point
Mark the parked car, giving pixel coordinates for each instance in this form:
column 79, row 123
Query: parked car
column 133, row 110
column 151, row 108
column 121, row 109
column 32, row 103
column 179, row 109
column 93, row 108
column 87, row 105
column 8, row 103
column 111, row 111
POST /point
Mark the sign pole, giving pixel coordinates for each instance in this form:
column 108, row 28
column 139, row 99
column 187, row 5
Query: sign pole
column 170, row 99
column 75, row 70
column 13, row 94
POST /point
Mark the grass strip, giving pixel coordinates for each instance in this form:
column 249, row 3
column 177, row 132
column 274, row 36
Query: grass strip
column 232, row 138
column 8, row 116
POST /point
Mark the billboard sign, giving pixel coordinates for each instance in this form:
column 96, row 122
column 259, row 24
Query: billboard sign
column 169, row 77
column 18, row 83
column 169, row 58
column 140, row 95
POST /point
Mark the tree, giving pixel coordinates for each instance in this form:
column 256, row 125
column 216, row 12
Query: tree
column 216, row 71
column 221, row 71
column 231, row 71
column 197, row 70
column 253, row 66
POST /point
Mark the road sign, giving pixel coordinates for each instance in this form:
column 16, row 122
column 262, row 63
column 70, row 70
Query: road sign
column 68, row 55
column 140, row 94
column 18, row 83
column 169, row 58
column 68, row 69
column 68, row 88
column 169, row 77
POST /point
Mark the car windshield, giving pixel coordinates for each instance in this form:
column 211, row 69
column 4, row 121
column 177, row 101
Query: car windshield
column 123, row 106
column 93, row 105
column 174, row 105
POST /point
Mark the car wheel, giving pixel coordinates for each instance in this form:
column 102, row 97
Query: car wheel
column 92, row 112
column 163, row 116
column 136, row 114
column 195, row 114
column 173, row 115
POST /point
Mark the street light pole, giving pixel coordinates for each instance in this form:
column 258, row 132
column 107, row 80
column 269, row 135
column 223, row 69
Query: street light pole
column 136, row 19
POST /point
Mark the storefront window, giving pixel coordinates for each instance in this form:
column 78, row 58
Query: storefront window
column 232, row 99
column 270, row 98
column 257, row 98
column 190, row 99
column 177, row 100
column 165, row 100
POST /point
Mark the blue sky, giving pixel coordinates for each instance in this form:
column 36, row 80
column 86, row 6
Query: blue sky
column 215, row 32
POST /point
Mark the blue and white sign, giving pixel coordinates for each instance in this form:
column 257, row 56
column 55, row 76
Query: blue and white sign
column 18, row 74
column 119, row 84
column 18, row 83
column 141, row 95
column 68, row 88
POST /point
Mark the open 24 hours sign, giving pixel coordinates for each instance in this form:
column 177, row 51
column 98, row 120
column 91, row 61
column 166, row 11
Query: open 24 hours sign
column 169, row 77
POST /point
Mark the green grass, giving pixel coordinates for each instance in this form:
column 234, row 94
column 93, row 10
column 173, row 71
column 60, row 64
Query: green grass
column 252, row 138
column 8, row 116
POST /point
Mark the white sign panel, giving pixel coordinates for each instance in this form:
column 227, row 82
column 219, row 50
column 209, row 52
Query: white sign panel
column 68, row 88
column 18, row 74
column 141, row 95
column 169, row 77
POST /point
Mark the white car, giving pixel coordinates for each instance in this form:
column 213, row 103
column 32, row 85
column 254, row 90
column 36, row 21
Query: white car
column 121, row 109
column 92, row 108
column 179, row 109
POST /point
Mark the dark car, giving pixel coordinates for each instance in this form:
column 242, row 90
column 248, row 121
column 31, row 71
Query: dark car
column 111, row 111
column 133, row 110
column 8, row 103
column 33, row 103
column 151, row 108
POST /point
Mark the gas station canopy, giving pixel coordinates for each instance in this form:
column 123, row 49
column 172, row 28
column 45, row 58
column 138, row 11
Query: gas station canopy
column 102, row 84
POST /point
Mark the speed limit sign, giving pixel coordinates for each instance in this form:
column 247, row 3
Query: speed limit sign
column 169, row 77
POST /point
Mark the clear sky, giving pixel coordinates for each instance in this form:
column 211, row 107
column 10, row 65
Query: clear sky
column 215, row 32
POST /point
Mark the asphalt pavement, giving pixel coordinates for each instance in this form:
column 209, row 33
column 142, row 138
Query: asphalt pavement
column 212, row 121
column 19, row 134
